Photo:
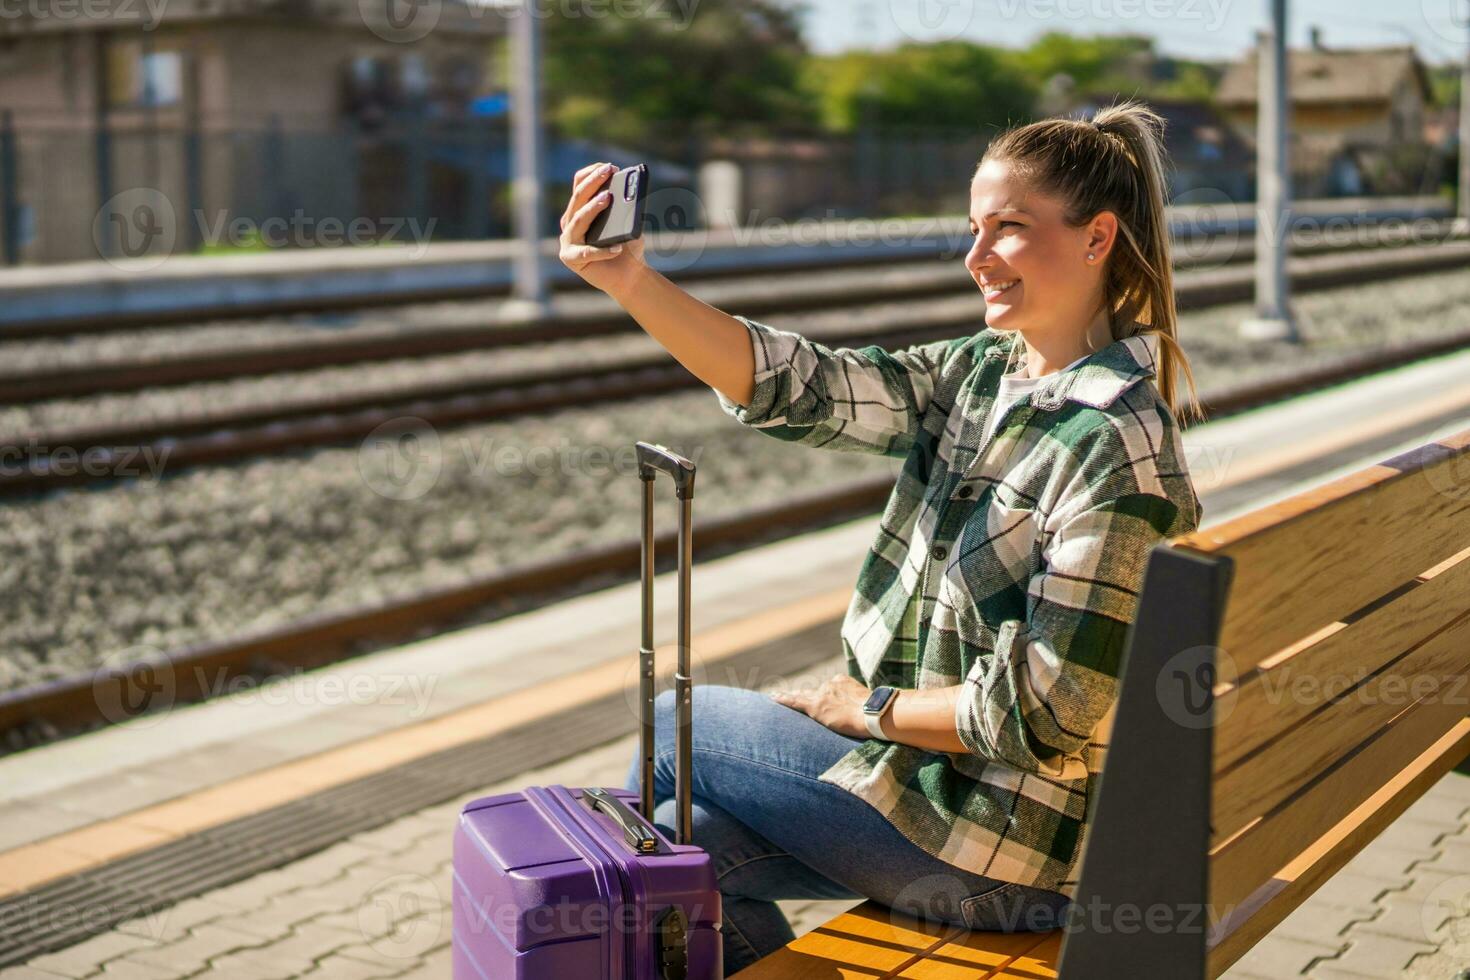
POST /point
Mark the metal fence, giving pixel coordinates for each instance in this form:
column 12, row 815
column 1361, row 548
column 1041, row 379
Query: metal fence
column 72, row 191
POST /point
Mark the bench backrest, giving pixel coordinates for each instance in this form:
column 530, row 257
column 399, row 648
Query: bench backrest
column 1299, row 674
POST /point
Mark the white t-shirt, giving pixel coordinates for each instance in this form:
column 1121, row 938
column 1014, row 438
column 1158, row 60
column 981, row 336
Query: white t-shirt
column 1013, row 387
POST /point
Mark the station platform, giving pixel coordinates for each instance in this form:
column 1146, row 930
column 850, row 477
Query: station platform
column 405, row 270
column 302, row 828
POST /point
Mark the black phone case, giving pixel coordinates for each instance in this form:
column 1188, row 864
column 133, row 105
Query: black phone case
column 622, row 219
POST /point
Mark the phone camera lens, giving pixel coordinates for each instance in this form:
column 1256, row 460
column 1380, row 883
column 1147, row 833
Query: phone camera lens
column 630, row 189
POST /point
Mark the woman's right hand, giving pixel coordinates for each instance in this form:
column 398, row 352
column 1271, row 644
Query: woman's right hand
column 608, row 269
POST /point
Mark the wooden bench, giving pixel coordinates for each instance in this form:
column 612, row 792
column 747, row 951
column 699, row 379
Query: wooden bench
column 1294, row 679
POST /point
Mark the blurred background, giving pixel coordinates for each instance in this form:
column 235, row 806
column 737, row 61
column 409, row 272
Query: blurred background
column 289, row 369
column 319, row 513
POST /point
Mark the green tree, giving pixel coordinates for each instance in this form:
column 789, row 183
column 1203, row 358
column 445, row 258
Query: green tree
column 653, row 75
column 948, row 84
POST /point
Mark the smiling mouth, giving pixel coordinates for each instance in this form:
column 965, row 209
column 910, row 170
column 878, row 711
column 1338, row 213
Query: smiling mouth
column 995, row 289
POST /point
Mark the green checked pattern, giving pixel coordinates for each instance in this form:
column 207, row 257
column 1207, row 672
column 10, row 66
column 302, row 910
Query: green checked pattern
column 1011, row 566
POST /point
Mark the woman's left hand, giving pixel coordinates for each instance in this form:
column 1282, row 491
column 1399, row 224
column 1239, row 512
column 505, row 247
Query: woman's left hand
column 838, row 704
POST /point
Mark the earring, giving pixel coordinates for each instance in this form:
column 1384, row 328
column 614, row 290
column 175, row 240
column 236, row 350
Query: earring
column 1091, row 256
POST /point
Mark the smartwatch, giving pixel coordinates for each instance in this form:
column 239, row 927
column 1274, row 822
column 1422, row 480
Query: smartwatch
column 873, row 709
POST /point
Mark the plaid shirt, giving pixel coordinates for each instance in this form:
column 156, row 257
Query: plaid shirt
column 1012, row 566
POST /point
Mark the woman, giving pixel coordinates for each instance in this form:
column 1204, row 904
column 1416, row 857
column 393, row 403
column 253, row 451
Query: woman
column 1041, row 462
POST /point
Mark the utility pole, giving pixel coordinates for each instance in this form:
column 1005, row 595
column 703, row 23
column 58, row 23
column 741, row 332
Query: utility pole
column 530, row 292
column 1273, row 319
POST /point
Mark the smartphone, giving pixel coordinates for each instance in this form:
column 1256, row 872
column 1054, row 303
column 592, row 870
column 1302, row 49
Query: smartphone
column 622, row 219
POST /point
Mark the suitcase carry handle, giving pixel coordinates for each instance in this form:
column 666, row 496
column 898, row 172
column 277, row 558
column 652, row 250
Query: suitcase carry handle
column 639, row 835
column 651, row 459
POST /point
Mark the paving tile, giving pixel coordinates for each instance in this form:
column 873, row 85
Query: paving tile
column 1377, row 955
column 1278, row 956
column 84, row 958
column 1411, row 834
column 1453, row 856
column 27, row 973
column 254, row 893
column 436, row 966
column 1355, row 892
column 167, row 925
column 1318, row 923
column 308, row 737
column 1383, row 860
column 288, row 956
column 337, row 967
column 194, row 951
column 211, row 764
column 424, row 856
column 24, row 821
column 1445, row 809
column 125, row 969
column 117, row 793
column 1453, row 784
column 328, row 863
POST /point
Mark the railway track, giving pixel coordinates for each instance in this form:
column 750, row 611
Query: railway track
column 42, row 712
column 848, row 288
column 212, row 438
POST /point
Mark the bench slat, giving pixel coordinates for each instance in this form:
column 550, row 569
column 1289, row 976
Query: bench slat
column 1265, row 703
column 1387, row 523
column 1296, row 881
column 986, row 955
column 1246, row 862
column 867, row 942
column 1268, row 778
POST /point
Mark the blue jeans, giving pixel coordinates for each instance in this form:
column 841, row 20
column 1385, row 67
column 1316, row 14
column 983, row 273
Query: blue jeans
column 774, row 831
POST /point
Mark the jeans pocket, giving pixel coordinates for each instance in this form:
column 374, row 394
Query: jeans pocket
column 1013, row 907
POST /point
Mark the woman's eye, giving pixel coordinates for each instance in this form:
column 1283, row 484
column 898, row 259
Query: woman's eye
column 1004, row 223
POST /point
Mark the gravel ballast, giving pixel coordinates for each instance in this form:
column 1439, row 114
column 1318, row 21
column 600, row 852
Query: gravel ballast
column 133, row 569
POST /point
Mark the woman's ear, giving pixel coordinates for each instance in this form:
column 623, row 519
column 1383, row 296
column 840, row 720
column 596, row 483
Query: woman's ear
column 1101, row 233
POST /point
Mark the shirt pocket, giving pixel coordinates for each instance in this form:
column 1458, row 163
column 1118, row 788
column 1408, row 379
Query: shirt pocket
column 999, row 544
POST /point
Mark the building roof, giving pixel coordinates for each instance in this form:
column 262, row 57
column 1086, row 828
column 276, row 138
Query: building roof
column 1323, row 76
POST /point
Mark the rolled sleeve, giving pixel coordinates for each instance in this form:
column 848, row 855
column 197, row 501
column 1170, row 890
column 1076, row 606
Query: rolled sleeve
column 1037, row 701
column 848, row 399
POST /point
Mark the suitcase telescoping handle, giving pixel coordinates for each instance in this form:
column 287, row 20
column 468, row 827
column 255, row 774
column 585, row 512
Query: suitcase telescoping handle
column 651, row 459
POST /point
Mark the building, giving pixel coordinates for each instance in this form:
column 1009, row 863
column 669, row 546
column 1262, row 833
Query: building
column 197, row 100
column 1357, row 120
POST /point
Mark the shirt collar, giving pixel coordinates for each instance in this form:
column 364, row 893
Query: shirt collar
column 1098, row 380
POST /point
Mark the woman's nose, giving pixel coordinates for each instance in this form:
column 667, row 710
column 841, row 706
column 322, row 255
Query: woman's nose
column 979, row 256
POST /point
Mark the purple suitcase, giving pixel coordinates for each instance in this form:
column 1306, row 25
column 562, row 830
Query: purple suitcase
column 553, row 883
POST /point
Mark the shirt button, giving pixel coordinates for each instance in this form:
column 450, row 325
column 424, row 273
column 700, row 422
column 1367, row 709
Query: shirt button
column 939, row 552
column 965, row 491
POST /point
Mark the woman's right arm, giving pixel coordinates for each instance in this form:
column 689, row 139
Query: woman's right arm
column 860, row 400
column 714, row 346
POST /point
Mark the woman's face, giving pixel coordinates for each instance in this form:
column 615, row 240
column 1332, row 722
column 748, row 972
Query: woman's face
column 1020, row 238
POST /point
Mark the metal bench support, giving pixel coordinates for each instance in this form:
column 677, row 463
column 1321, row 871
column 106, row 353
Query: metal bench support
column 1141, row 906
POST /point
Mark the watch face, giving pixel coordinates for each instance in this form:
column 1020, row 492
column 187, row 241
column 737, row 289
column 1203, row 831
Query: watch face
column 878, row 699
